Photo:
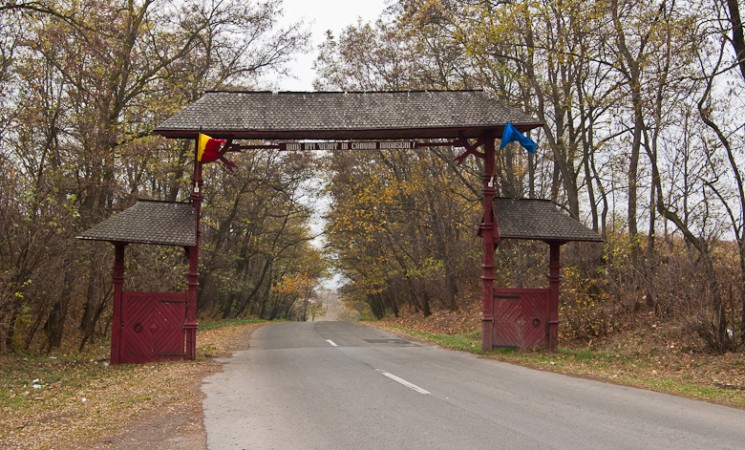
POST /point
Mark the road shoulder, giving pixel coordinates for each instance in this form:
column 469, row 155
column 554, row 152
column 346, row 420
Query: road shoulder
column 178, row 424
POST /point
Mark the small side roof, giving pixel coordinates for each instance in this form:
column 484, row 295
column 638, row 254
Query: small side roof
column 538, row 220
column 148, row 222
column 344, row 115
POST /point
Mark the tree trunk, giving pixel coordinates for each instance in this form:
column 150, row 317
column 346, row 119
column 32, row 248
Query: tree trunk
column 55, row 324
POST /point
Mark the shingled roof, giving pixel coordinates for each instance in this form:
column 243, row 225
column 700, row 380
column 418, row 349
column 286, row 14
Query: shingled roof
column 344, row 115
column 148, row 222
column 538, row 220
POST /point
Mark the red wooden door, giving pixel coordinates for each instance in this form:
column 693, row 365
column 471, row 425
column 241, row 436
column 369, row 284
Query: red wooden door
column 152, row 326
column 521, row 317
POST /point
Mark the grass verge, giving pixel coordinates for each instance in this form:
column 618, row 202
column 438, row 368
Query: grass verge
column 213, row 325
column 71, row 401
column 714, row 378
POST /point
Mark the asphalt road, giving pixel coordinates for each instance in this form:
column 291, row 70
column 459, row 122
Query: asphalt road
column 340, row 385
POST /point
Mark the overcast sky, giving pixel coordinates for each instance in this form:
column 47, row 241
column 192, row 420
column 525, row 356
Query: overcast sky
column 322, row 15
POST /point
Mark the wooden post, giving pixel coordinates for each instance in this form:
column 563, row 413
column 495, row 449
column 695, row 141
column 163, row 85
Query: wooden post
column 487, row 234
column 190, row 326
column 116, row 321
column 554, row 281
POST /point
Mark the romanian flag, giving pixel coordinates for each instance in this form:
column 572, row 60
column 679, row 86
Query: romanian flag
column 208, row 149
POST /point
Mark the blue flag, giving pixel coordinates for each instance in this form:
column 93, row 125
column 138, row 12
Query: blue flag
column 511, row 134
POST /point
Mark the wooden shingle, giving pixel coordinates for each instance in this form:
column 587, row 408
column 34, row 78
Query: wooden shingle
column 344, row 115
column 538, row 220
column 148, row 222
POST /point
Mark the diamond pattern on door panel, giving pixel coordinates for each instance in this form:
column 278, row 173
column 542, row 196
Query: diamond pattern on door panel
column 520, row 317
column 152, row 326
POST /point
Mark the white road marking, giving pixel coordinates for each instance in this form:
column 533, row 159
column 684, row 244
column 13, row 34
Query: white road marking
column 332, row 343
column 402, row 381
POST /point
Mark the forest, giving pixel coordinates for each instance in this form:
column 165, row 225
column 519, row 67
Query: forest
column 643, row 141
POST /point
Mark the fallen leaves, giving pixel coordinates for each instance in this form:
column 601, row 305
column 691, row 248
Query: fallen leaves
column 441, row 321
column 646, row 353
column 71, row 402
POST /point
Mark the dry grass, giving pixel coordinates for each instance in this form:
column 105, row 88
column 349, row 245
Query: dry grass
column 650, row 355
column 75, row 401
column 80, row 401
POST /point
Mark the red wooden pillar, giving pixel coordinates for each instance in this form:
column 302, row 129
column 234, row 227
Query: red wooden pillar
column 554, row 280
column 116, row 321
column 190, row 326
column 487, row 234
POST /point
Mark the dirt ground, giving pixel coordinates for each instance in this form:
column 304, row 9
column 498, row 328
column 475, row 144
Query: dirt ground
column 169, row 427
column 179, row 428
column 74, row 403
column 79, row 402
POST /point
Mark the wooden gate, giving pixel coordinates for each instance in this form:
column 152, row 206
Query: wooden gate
column 152, row 326
column 521, row 317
